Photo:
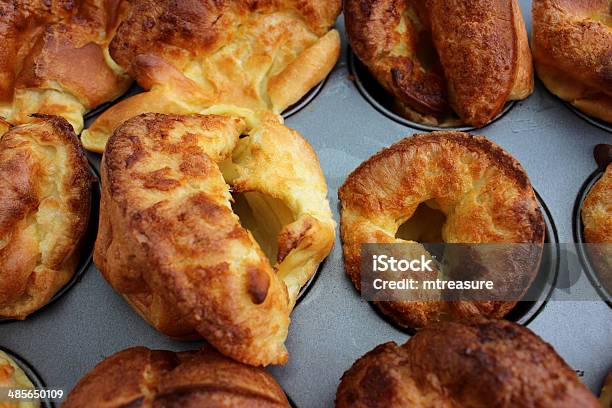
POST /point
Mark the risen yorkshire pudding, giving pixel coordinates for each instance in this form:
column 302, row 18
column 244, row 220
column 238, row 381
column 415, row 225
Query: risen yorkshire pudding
column 597, row 220
column 171, row 244
column 54, row 58
column 191, row 54
column 12, row 376
column 482, row 364
column 439, row 56
column 139, row 377
column 45, row 198
column 572, row 48
column 447, row 187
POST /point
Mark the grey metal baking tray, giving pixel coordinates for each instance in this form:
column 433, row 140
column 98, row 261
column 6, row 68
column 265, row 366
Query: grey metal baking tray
column 332, row 326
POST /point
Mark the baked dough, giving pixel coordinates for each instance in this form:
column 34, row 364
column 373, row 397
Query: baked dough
column 572, row 49
column 54, row 58
column 12, row 376
column 192, row 54
column 440, row 59
column 139, row 377
column 597, row 221
column 597, row 210
column 171, row 244
column 44, row 211
column 480, row 365
column 483, row 192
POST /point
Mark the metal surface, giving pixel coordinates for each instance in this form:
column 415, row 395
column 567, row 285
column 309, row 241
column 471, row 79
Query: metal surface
column 332, row 326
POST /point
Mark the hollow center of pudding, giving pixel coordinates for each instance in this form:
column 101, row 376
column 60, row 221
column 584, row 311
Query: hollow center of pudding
column 421, row 45
column 424, row 226
column 264, row 216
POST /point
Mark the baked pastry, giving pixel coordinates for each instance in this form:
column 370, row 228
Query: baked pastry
column 481, row 364
column 54, row 58
column 171, row 244
column 189, row 55
column 606, row 392
column 139, row 377
column 482, row 193
column 12, row 376
column 444, row 62
column 572, row 49
column 597, row 210
column 597, row 221
column 44, row 211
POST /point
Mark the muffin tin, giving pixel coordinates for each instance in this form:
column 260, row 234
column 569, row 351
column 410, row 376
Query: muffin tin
column 332, row 325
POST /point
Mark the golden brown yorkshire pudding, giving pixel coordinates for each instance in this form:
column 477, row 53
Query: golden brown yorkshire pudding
column 54, row 58
column 597, row 210
column 261, row 55
column 572, row 48
column 440, row 59
column 446, row 187
column 45, row 198
column 597, row 221
column 139, row 377
column 171, row 244
column 482, row 364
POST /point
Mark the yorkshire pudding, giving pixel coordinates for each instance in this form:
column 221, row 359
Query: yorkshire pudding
column 12, row 376
column 171, row 244
column 478, row 365
column 478, row 192
column 572, row 48
column 261, row 55
column 45, row 200
column 597, row 221
column 439, row 59
column 54, row 58
column 139, row 377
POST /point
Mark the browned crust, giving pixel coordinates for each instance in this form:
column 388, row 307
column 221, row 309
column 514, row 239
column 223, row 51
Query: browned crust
column 171, row 28
column 597, row 211
column 479, row 364
column 482, row 57
column 371, row 29
column 573, row 52
column 139, row 377
column 259, row 55
column 478, row 48
column 58, row 46
column 152, row 249
column 66, row 55
column 170, row 243
column 44, row 211
column 390, row 185
column 178, row 31
column 597, row 220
